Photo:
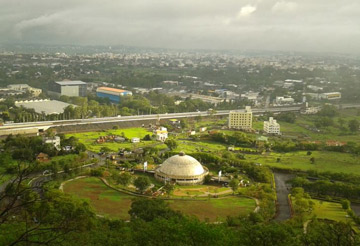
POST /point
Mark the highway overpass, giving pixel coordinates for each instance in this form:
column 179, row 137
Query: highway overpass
column 39, row 126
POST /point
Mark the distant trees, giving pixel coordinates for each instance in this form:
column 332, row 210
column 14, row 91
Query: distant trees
column 289, row 117
column 234, row 184
column 171, row 143
column 354, row 125
column 142, row 183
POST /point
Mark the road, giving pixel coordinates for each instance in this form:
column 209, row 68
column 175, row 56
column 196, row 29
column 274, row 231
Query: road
column 19, row 128
column 282, row 192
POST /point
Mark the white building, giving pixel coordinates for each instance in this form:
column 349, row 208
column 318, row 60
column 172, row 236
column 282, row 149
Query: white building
column 284, row 100
column 55, row 141
column 161, row 134
column 241, row 119
column 330, row 95
column 271, row 126
column 135, row 140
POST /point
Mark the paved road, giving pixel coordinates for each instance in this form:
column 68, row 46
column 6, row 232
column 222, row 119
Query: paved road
column 282, row 192
column 20, row 128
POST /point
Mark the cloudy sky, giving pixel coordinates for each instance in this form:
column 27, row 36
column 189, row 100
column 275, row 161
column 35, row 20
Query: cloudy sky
column 296, row 25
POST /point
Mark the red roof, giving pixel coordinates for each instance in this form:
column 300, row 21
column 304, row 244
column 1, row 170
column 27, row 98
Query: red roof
column 111, row 89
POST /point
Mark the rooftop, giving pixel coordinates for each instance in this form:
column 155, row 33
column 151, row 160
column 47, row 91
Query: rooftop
column 71, row 82
column 47, row 106
column 111, row 89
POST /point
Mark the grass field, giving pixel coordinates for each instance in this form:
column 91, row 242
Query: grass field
column 198, row 146
column 330, row 211
column 88, row 138
column 324, row 161
column 196, row 190
column 113, row 204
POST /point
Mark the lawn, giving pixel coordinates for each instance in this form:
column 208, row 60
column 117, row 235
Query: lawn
column 198, row 146
column 113, row 204
column 88, row 138
column 324, row 161
column 330, row 210
column 199, row 190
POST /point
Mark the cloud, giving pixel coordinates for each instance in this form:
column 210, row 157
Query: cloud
column 246, row 11
column 284, row 6
column 217, row 24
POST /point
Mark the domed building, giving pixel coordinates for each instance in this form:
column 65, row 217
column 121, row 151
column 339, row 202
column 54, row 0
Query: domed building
column 181, row 169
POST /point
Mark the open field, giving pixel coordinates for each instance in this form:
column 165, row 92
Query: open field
column 330, row 210
column 198, row 146
column 324, row 161
column 113, row 204
column 88, row 138
column 196, row 190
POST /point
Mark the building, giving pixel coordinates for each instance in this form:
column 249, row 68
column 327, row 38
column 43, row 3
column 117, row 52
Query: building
column 330, row 95
column 271, row 126
column 35, row 92
column 241, row 119
column 135, row 140
column 45, row 106
column 284, row 100
column 181, row 169
column 42, row 157
column 55, row 141
column 112, row 93
column 161, row 134
column 68, row 88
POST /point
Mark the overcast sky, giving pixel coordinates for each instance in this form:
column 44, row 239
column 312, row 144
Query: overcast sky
column 297, row 25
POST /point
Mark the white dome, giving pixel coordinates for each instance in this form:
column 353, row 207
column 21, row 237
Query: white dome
column 181, row 165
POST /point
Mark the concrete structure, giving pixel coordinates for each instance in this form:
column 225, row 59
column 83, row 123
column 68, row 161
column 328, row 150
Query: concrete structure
column 135, row 140
column 181, row 169
column 112, row 93
column 284, row 100
column 44, row 106
column 271, row 126
column 55, row 141
column 241, row 119
column 25, row 88
column 330, row 95
column 68, row 88
column 161, row 134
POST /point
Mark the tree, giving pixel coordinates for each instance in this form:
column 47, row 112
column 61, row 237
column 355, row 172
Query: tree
column 354, row 125
column 105, row 149
column 150, row 209
column 169, row 188
column 234, row 184
column 345, row 204
column 207, row 179
column 171, row 144
column 142, row 183
column 124, row 178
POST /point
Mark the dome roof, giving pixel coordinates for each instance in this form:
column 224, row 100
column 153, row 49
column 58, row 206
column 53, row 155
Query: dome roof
column 181, row 165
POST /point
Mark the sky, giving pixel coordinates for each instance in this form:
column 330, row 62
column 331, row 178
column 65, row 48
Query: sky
column 297, row 25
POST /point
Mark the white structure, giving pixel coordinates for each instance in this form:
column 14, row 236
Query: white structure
column 271, row 126
column 284, row 100
column 181, row 169
column 25, row 87
column 55, row 141
column 330, row 95
column 135, row 140
column 241, row 119
column 161, row 134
